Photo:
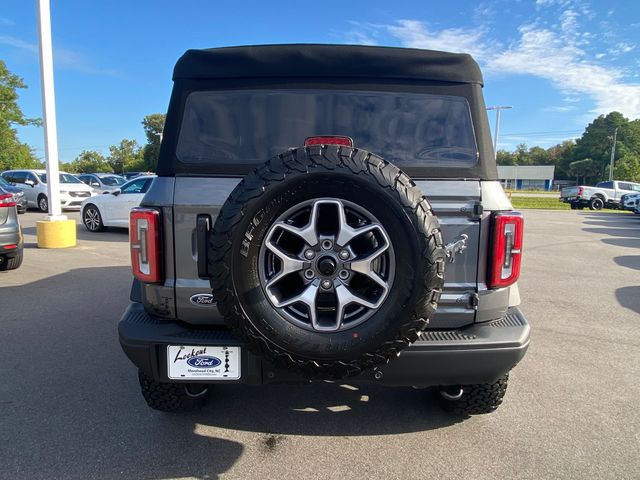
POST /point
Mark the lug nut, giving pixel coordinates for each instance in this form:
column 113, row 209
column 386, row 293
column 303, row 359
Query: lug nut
column 343, row 274
column 344, row 254
column 309, row 254
column 309, row 274
column 327, row 244
column 326, row 284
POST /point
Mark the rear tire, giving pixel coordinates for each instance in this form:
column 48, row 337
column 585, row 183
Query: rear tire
column 596, row 203
column 92, row 219
column 43, row 203
column 173, row 397
column 11, row 263
column 476, row 399
column 574, row 206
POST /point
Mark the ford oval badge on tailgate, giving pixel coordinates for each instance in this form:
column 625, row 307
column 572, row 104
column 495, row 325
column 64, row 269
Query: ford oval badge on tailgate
column 202, row 299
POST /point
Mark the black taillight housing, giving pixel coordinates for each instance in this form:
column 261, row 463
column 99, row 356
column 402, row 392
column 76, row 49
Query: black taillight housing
column 507, row 232
column 144, row 242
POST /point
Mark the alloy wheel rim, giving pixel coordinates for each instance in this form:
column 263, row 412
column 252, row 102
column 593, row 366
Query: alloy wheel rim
column 326, row 265
column 91, row 219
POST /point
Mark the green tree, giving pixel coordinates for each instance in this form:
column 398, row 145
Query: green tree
column 627, row 163
column 596, row 141
column 585, row 169
column 539, row 156
column 126, row 156
column 153, row 127
column 561, row 156
column 522, row 155
column 13, row 153
column 90, row 161
column 503, row 157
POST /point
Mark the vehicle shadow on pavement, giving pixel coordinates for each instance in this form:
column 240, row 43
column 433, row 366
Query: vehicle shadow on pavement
column 629, row 261
column 111, row 234
column 71, row 406
column 626, row 230
column 69, row 398
column 629, row 297
column 323, row 409
column 617, row 229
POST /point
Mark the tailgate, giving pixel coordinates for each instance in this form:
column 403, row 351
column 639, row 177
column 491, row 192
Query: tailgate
column 456, row 203
column 569, row 192
column 453, row 201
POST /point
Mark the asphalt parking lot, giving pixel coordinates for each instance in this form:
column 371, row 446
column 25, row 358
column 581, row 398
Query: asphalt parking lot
column 70, row 405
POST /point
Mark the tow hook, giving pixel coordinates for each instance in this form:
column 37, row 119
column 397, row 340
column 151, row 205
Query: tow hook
column 452, row 396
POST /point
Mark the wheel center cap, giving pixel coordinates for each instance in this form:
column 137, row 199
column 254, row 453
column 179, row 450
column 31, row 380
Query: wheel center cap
column 327, row 266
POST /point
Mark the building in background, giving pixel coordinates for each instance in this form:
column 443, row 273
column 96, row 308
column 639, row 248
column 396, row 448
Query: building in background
column 526, row 177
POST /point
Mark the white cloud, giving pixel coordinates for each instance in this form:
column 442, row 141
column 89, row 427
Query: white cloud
column 62, row 57
column 560, row 108
column 554, row 54
column 624, row 47
column 362, row 34
column 413, row 33
column 17, row 43
column 545, row 54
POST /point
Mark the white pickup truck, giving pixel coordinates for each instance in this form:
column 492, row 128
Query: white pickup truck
column 604, row 194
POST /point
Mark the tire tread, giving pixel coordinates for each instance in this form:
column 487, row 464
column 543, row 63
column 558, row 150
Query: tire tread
column 321, row 158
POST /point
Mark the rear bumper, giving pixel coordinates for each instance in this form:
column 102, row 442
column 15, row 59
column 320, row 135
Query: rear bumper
column 574, row 200
column 10, row 234
column 480, row 353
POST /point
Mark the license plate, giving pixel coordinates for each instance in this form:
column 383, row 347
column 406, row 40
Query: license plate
column 203, row 363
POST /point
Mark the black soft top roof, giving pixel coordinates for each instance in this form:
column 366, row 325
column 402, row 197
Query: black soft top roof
column 306, row 60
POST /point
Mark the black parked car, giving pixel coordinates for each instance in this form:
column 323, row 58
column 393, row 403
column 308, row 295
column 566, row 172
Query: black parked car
column 18, row 194
column 11, row 244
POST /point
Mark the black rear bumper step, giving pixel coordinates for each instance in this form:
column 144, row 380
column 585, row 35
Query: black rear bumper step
column 479, row 353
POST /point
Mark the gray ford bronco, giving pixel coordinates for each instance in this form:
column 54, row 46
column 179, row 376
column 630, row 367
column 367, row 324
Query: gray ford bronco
column 325, row 212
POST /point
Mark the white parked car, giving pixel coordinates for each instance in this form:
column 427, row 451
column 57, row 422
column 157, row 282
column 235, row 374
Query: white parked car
column 629, row 201
column 112, row 209
column 34, row 185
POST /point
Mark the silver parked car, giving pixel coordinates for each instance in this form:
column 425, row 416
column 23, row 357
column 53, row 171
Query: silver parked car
column 102, row 182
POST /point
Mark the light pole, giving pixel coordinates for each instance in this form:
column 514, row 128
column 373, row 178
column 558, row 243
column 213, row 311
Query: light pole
column 613, row 153
column 497, row 129
column 49, row 111
column 56, row 231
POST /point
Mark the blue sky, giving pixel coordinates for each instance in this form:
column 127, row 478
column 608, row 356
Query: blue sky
column 559, row 63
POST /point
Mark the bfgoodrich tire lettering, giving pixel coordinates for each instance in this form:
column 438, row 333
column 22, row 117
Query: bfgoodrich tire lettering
column 355, row 177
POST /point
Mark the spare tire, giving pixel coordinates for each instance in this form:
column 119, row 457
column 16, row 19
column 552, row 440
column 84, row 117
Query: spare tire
column 328, row 260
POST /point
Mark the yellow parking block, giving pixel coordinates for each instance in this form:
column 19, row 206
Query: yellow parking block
column 56, row 233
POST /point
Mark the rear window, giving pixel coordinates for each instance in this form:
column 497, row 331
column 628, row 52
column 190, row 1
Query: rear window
column 248, row 127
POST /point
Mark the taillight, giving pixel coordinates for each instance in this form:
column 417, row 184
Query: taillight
column 7, row 200
column 144, row 241
column 580, row 190
column 329, row 140
column 506, row 249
